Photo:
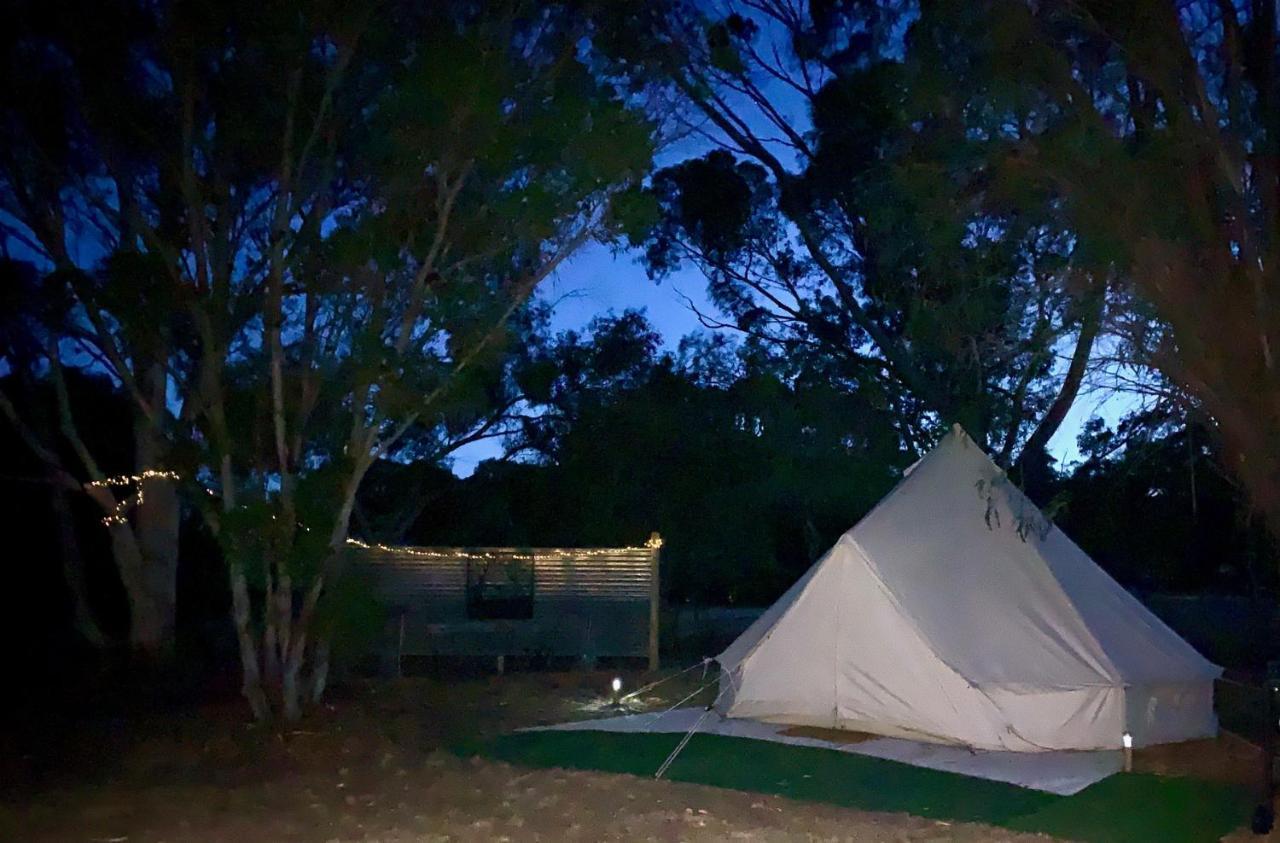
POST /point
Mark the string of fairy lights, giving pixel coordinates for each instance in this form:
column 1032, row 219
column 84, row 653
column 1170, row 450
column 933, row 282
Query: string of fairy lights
column 654, row 542
column 120, row 515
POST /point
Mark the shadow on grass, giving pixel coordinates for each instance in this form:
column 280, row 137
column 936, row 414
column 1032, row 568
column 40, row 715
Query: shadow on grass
column 1122, row 808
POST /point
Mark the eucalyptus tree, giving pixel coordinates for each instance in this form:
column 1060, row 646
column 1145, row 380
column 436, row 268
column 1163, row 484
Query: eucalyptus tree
column 340, row 207
column 1152, row 129
column 490, row 158
column 70, row 109
column 838, row 217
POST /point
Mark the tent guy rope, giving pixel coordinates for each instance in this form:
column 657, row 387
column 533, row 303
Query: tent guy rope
column 706, row 661
column 688, row 736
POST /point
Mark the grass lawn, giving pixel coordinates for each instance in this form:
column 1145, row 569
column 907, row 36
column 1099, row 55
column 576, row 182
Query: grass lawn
column 1124, row 807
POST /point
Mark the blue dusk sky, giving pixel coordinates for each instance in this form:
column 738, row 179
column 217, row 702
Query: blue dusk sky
column 597, row 281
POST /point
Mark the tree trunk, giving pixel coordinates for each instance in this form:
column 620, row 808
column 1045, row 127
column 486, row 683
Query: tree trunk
column 320, row 669
column 292, row 688
column 156, row 522
column 73, row 570
column 1090, row 325
column 242, row 615
column 146, row 554
column 149, row 582
column 156, row 527
column 147, row 617
column 290, row 700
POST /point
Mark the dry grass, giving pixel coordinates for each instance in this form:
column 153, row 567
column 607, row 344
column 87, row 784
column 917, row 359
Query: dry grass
column 1227, row 758
column 372, row 767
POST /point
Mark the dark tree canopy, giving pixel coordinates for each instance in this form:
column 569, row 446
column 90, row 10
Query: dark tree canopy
column 856, row 234
column 1150, row 130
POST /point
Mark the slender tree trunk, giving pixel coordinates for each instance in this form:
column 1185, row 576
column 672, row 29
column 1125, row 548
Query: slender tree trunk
column 329, row 571
column 242, row 616
column 320, row 669
column 73, row 570
column 290, row 698
column 241, row 605
column 1057, row 412
column 270, row 641
column 291, row 686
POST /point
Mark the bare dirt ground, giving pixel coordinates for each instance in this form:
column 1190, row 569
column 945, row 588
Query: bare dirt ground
column 371, row 767
column 1227, row 759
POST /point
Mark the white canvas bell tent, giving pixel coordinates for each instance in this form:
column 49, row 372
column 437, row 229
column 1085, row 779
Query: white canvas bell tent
column 955, row 612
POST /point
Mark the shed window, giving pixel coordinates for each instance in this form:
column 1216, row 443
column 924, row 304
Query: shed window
column 500, row 589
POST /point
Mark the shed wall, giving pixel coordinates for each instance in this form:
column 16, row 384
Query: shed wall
column 587, row 602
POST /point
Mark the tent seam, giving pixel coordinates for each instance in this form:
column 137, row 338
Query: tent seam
column 1116, row 675
column 835, row 655
column 924, row 639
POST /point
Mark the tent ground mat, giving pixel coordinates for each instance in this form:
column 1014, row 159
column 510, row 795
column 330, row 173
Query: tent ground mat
column 1062, row 772
column 1122, row 808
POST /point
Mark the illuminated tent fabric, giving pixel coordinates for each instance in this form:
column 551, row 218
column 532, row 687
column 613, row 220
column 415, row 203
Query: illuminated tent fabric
column 955, row 612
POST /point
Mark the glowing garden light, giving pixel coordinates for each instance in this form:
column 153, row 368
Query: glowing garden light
column 616, row 685
column 1127, row 741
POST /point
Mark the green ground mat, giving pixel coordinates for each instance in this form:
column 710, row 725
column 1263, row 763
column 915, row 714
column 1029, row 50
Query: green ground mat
column 1125, row 807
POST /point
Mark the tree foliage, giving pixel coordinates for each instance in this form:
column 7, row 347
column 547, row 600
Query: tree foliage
column 838, row 220
column 748, row 474
column 1150, row 130
column 1185, row 526
column 310, row 225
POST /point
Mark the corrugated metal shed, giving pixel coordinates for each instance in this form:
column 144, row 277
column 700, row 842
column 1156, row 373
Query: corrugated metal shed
column 497, row 601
